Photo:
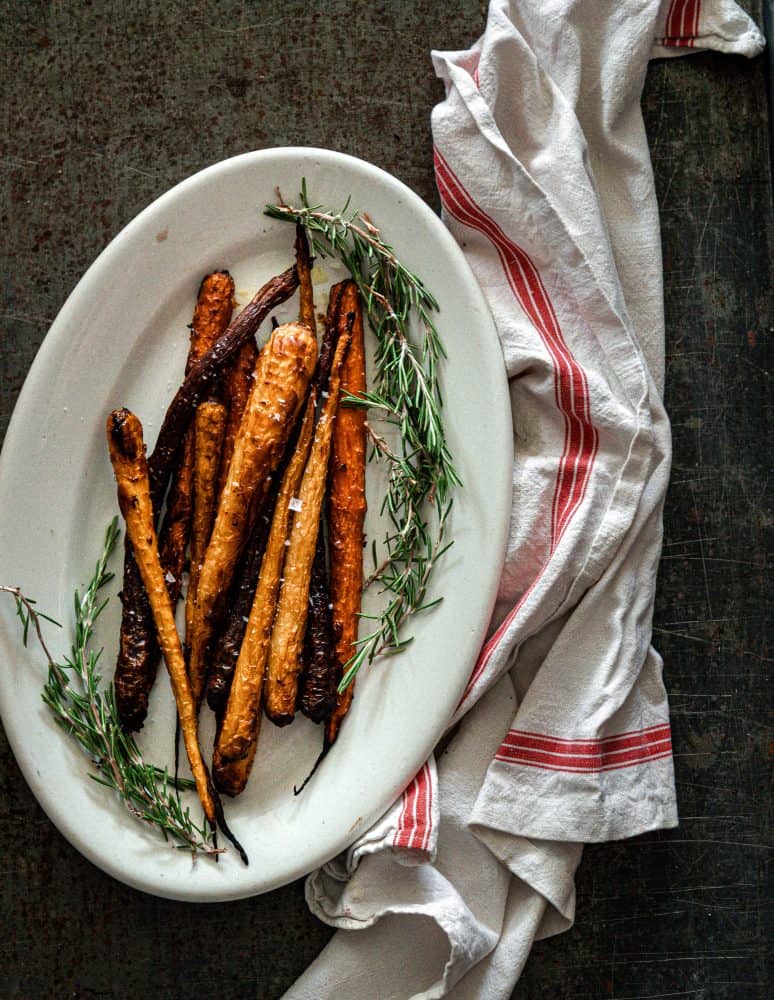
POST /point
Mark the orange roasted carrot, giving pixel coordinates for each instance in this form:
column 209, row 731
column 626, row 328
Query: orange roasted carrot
column 347, row 505
column 209, row 425
column 237, row 383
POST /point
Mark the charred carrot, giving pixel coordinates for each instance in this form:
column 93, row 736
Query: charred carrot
column 321, row 671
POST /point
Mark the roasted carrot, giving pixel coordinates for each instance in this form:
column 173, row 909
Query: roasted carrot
column 209, row 425
column 138, row 649
column 212, row 315
column 306, row 313
column 176, row 525
column 347, row 506
column 321, row 669
column 228, row 641
column 282, row 375
column 241, row 720
column 231, row 775
column 127, row 454
column 330, row 334
column 237, row 382
column 321, row 672
column 290, row 622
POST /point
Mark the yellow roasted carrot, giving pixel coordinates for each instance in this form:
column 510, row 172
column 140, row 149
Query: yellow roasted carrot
column 239, row 728
column 127, row 454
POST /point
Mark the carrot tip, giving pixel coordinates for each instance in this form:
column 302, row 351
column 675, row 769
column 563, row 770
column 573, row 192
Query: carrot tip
column 323, row 753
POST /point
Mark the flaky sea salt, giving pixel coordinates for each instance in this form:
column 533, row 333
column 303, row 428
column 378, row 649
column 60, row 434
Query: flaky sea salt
column 295, row 504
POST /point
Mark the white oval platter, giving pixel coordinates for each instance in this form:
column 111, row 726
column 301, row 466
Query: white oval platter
column 121, row 340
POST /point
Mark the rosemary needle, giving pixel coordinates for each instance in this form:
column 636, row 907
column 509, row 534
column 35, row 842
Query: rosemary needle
column 406, row 394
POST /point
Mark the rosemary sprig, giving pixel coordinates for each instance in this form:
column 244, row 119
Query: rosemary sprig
column 405, row 394
column 72, row 692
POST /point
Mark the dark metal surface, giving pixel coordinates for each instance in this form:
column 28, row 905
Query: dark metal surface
column 105, row 106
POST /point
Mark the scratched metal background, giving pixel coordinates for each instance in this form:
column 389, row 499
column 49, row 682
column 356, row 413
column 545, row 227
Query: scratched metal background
column 104, row 106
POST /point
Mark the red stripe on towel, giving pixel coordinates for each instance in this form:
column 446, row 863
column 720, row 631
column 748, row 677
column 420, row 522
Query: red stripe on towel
column 681, row 28
column 570, row 383
column 415, row 822
column 585, row 755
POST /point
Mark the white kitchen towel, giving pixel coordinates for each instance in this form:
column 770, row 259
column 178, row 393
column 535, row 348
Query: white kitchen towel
column 562, row 735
